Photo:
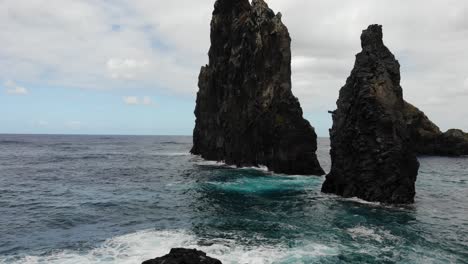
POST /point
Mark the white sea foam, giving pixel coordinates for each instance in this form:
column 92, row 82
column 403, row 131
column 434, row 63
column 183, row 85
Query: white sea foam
column 260, row 168
column 140, row 246
column 173, row 154
column 364, row 232
column 376, row 234
column 201, row 162
column 377, row 204
column 361, row 201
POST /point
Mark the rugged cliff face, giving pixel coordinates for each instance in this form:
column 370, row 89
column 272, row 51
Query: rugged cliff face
column 372, row 157
column 246, row 113
column 427, row 138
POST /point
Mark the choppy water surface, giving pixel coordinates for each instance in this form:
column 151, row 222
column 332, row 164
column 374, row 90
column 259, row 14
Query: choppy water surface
column 121, row 199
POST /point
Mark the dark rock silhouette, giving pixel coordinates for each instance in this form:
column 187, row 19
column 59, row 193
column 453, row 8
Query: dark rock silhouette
column 427, row 139
column 246, row 112
column 372, row 157
column 184, row 256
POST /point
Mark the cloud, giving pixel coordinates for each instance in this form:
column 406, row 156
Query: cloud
column 126, row 68
column 82, row 44
column 129, row 44
column 13, row 89
column 135, row 100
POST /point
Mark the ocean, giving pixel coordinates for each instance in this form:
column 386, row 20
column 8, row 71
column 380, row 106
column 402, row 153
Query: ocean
column 126, row 199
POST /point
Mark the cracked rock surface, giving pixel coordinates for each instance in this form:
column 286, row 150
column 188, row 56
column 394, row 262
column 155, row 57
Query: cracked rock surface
column 372, row 156
column 246, row 114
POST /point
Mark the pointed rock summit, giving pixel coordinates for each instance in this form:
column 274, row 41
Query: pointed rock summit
column 372, row 157
column 246, row 114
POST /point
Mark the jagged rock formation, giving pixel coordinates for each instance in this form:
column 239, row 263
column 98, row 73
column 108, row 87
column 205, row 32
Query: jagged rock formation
column 184, row 256
column 427, row 139
column 246, row 113
column 372, row 157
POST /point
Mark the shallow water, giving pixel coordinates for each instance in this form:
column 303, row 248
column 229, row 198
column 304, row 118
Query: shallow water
column 125, row 199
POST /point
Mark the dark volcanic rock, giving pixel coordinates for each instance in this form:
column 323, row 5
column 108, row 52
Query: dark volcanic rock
column 372, row 157
column 246, row 113
column 184, row 256
column 427, row 138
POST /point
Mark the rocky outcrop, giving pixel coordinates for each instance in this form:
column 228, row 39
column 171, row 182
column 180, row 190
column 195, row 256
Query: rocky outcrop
column 246, row 114
column 184, row 256
column 427, row 139
column 372, row 157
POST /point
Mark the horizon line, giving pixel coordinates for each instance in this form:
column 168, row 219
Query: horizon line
column 77, row 134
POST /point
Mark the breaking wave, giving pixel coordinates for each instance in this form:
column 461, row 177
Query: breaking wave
column 140, row 246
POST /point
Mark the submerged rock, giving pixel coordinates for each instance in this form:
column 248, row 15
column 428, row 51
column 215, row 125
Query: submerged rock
column 184, row 256
column 372, row 157
column 427, row 139
column 246, row 112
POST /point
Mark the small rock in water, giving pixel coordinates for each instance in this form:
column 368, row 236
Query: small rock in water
column 184, row 256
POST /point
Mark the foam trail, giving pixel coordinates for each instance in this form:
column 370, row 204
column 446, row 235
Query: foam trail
column 140, row 246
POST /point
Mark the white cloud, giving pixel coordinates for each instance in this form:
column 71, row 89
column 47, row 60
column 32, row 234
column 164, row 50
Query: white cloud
column 126, row 68
column 14, row 89
column 135, row 100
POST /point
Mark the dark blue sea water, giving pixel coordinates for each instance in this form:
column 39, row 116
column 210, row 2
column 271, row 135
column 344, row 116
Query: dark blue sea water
column 125, row 199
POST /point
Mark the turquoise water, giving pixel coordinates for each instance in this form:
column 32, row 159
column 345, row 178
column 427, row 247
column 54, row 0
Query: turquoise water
column 95, row 199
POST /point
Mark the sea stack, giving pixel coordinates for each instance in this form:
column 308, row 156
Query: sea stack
column 372, row 157
column 246, row 114
column 428, row 140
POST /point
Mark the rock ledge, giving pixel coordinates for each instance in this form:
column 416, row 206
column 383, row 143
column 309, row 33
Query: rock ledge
column 428, row 140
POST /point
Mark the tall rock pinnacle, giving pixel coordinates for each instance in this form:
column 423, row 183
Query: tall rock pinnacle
column 246, row 112
column 372, row 157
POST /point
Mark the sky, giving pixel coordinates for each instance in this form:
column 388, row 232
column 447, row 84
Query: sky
column 131, row 67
